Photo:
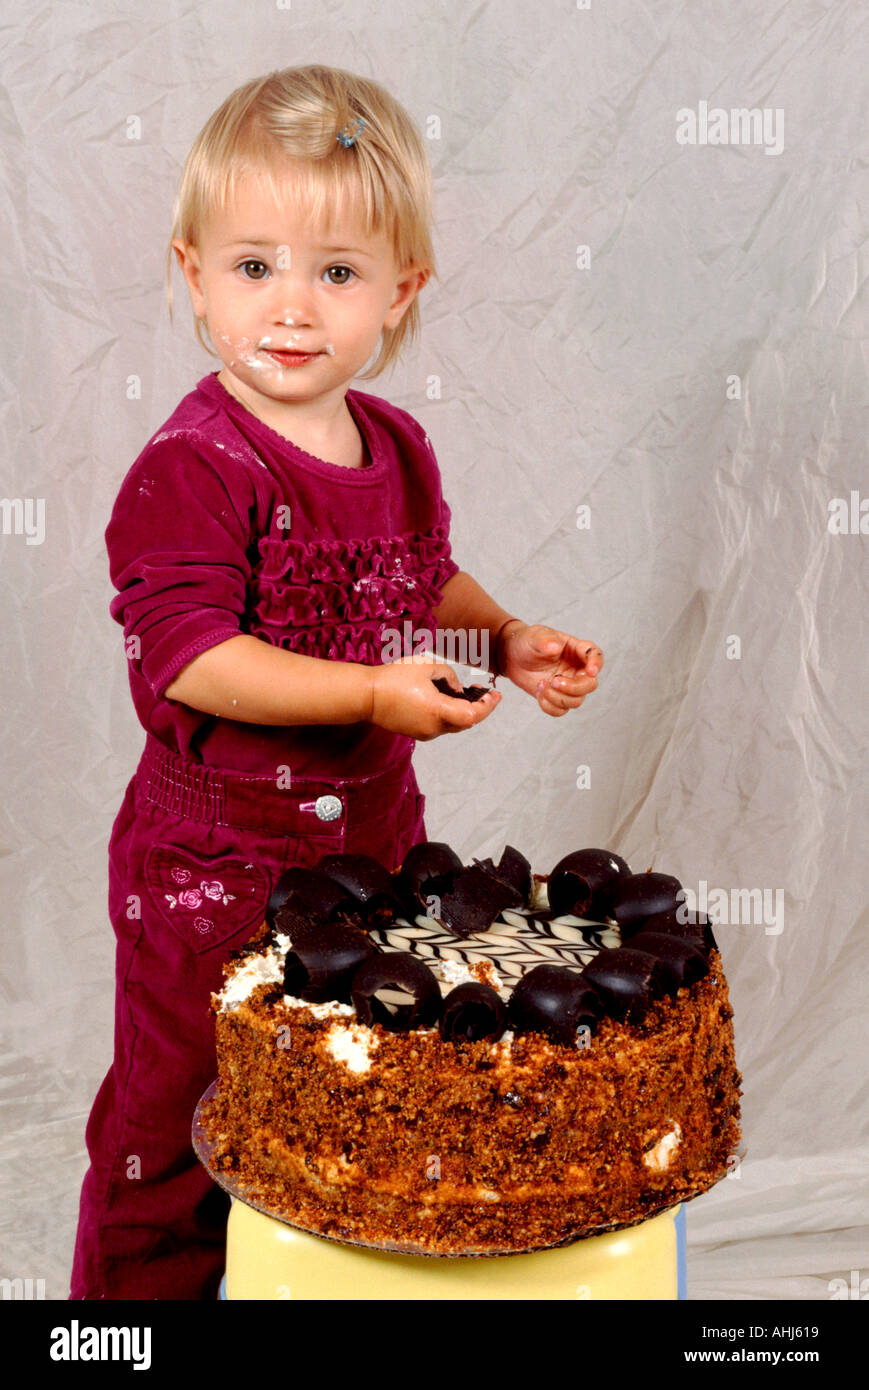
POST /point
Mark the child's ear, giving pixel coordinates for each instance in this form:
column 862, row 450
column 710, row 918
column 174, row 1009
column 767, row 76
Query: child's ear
column 407, row 287
column 188, row 259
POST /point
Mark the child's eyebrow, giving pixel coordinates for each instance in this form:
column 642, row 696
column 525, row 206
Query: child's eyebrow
column 329, row 250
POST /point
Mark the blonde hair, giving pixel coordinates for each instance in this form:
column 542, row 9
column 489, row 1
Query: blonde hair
column 282, row 129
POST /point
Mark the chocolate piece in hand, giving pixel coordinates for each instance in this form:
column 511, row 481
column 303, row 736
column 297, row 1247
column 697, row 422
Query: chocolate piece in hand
column 627, row 982
column 554, row 1000
column 582, row 883
column 474, row 901
column 472, row 1012
column 467, row 692
column 396, row 974
column 323, row 959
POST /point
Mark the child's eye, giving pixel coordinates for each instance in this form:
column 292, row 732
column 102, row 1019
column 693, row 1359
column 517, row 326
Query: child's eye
column 344, row 272
column 262, row 266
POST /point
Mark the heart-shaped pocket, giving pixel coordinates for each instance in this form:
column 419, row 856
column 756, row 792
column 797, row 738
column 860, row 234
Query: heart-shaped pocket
column 206, row 901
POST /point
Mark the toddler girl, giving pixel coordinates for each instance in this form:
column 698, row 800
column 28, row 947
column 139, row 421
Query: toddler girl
column 267, row 539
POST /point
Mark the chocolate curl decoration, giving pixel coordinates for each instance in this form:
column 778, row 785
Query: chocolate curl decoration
column 639, row 896
column 515, row 869
column 296, row 918
column 555, row 1000
column 627, row 982
column 467, row 692
column 313, row 890
column 696, row 927
column 472, row 1012
column 475, row 900
column 369, row 884
column 582, row 883
column 427, row 869
column 402, row 973
column 682, row 962
column 323, row 960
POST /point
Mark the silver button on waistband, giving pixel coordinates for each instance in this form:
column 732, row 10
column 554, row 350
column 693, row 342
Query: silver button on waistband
column 328, row 807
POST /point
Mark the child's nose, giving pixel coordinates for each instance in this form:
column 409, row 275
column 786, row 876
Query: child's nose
column 293, row 304
column 293, row 317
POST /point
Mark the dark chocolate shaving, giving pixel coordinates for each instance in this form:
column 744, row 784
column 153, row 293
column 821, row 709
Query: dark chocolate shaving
column 640, row 896
column 555, row 1000
column 371, row 886
column 402, row 973
column 627, row 982
column 515, row 869
column 472, row 1012
column 314, row 889
column 582, row 883
column 323, row 959
column 467, row 692
column 297, row 916
column 680, row 922
column 474, row 901
column 682, row 962
column 427, row 870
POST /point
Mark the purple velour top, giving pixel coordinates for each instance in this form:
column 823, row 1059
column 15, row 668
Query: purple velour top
column 223, row 526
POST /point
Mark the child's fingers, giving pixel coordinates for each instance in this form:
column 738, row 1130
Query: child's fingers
column 555, row 702
column 457, row 715
column 593, row 658
column 586, row 654
column 572, row 687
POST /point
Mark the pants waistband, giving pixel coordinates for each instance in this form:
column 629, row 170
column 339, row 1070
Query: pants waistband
column 280, row 804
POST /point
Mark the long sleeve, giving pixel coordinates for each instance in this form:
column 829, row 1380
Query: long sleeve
column 179, row 554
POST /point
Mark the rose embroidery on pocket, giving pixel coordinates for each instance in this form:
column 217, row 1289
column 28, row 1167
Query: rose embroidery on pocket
column 236, row 899
column 192, row 897
column 215, row 890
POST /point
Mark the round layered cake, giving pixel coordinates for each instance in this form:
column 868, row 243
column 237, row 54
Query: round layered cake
column 474, row 1059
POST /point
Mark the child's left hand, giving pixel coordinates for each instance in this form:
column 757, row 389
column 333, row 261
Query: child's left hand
column 558, row 669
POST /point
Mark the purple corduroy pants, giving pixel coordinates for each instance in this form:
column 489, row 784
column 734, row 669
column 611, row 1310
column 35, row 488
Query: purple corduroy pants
column 193, row 857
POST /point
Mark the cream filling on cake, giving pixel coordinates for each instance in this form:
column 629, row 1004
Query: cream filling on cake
column 352, row 1044
column 267, row 968
column 264, row 969
column 330, row 1009
column 659, row 1157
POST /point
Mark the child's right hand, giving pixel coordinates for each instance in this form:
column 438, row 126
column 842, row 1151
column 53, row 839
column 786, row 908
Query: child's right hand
column 405, row 700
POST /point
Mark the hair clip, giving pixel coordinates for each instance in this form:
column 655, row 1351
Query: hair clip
column 348, row 140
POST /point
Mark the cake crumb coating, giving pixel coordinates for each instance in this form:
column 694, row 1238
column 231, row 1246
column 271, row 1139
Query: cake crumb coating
column 446, row 1148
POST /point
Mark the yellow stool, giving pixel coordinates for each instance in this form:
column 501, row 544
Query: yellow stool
column 266, row 1260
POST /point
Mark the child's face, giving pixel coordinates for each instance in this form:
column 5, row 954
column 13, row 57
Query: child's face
column 265, row 278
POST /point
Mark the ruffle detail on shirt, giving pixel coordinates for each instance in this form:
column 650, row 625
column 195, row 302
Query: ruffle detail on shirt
column 332, row 599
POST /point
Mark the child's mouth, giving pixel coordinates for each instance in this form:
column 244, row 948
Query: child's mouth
column 292, row 358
